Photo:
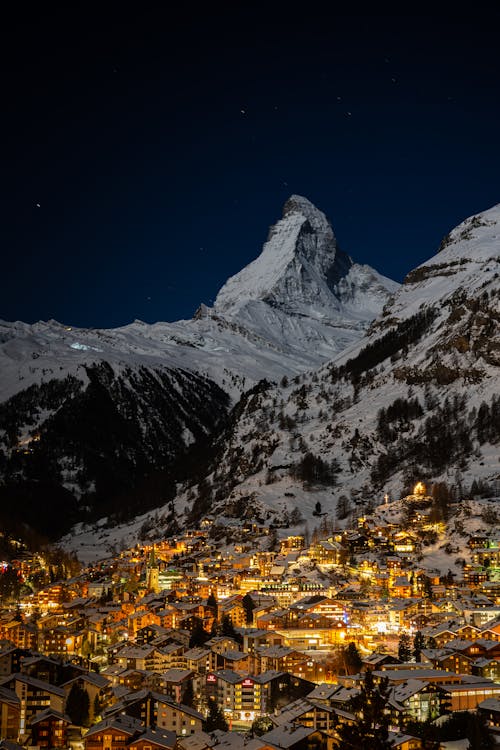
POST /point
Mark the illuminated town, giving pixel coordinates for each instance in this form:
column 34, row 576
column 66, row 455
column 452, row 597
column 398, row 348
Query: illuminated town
column 192, row 643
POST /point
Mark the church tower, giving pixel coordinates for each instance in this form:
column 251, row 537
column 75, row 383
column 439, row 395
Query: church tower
column 153, row 573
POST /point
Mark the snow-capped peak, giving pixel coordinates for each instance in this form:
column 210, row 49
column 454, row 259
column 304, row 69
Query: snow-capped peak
column 281, row 257
column 297, row 204
column 302, row 270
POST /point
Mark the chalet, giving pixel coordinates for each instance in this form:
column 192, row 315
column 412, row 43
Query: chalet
column 454, row 662
column 19, row 634
column 197, row 659
column 414, row 699
column 174, row 683
column 236, row 660
column 49, row 729
column 271, row 620
column 154, row 739
column 489, row 668
column 281, row 659
column 234, row 609
column 377, row 660
column 11, row 659
column 150, row 633
column 307, row 713
column 490, row 710
column 97, row 686
column 113, row 733
column 157, row 709
column 290, row 737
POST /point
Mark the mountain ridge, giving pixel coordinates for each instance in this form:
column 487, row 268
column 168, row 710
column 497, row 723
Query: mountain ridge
column 167, row 387
column 415, row 399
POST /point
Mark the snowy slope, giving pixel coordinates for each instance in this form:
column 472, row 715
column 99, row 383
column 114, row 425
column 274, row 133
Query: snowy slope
column 436, row 344
column 298, row 304
column 143, row 399
column 437, row 341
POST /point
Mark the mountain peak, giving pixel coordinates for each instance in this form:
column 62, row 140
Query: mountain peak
column 297, row 204
column 302, row 272
column 300, row 241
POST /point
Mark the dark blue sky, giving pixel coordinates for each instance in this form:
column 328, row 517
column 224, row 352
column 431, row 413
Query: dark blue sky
column 160, row 147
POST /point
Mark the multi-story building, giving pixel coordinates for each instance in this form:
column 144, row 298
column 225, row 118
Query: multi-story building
column 49, row 729
column 10, row 713
column 34, row 696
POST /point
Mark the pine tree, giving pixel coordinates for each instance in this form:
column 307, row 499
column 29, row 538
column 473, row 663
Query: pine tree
column 352, row 658
column 249, row 606
column 215, row 718
column 371, row 721
column 227, row 628
column 97, row 708
column 212, row 603
column 78, row 705
column 188, row 694
column 198, row 634
column 418, row 645
column 404, row 648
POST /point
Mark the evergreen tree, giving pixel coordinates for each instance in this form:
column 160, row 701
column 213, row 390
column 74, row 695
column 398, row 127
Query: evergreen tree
column 465, row 724
column 215, row 718
column 418, row 645
column 249, row 606
column 261, row 725
column 352, row 658
column 371, row 723
column 97, row 708
column 404, row 648
column 198, row 634
column 426, row 730
column 227, row 629
column 188, row 694
column 78, row 705
column 212, row 603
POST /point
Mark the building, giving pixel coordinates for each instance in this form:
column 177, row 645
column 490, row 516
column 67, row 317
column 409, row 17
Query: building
column 113, row 733
column 49, row 729
column 34, row 696
column 10, row 712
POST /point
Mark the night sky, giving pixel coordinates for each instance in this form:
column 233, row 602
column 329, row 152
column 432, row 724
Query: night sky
column 145, row 156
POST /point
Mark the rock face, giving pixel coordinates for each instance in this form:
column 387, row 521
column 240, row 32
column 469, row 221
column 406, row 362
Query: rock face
column 107, row 421
column 303, row 292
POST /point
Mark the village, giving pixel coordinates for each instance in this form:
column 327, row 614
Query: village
column 191, row 643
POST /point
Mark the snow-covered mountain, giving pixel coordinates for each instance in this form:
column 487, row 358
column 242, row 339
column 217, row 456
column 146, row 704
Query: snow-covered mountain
column 303, row 292
column 140, row 399
column 416, row 399
column 298, row 304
